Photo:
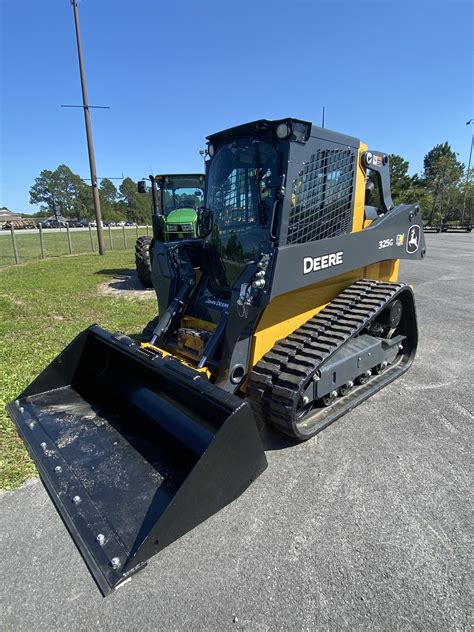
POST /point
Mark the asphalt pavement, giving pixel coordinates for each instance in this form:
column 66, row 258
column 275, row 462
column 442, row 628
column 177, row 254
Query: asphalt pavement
column 366, row 528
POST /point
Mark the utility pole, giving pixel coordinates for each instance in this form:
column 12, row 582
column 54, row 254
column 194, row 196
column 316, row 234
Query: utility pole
column 470, row 122
column 324, row 111
column 90, row 145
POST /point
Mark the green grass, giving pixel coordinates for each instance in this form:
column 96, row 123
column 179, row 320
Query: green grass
column 56, row 243
column 43, row 306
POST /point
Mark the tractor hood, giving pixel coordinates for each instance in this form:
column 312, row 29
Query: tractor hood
column 181, row 216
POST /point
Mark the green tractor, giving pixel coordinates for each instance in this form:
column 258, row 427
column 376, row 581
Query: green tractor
column 176, row 198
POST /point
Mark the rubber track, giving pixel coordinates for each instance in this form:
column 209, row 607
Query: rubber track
column 278, row 379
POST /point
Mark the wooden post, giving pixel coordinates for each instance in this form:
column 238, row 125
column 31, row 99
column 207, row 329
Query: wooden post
column 124, row 238
column 69, row 245
column 110, row 238
column 137, row 230
column 146, row 230
column 15, row 249
column 41, row 240
column 90, row 235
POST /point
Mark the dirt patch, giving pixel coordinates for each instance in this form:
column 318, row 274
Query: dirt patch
column 127, row 286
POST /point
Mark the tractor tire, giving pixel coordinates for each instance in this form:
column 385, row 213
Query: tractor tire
column 143, row 261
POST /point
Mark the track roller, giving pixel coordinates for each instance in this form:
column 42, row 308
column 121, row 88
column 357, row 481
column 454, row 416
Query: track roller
column 365, row 377
column 328, row 399
column 346, row 388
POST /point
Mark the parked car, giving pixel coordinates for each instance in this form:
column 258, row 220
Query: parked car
column 121, row 223
column 130, row 223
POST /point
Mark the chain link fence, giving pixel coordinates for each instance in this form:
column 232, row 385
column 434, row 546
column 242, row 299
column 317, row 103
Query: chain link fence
column 19, row 246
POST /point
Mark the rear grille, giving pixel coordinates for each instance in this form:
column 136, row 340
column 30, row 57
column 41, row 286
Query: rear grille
column 322, row 197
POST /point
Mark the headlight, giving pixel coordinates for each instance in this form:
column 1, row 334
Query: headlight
column 210, row 149
column 186, row 226
column 283, row 130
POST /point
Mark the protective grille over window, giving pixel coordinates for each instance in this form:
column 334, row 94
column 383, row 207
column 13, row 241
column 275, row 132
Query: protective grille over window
column 321, row 201
column 235, row 202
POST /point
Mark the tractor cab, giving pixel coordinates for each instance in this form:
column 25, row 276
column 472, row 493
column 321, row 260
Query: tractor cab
column 176, row 200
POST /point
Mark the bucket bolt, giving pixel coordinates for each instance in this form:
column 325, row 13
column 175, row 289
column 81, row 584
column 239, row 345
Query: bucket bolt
column 76, row 500
column 115, row 562
column 58, row 469
column 43, row 446
column 101, row 540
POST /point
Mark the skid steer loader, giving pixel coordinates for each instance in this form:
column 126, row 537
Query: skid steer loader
column 287, row 310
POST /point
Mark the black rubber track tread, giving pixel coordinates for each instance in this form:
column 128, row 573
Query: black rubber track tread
column 278, row 379
column 143, row 261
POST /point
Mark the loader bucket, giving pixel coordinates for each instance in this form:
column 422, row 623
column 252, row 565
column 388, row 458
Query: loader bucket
column 134, row 450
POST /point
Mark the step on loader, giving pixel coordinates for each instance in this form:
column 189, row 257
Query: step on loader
column 285, row 310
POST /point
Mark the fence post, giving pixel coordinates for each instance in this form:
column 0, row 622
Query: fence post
column 146, row 230
column 137, row 230
column 69, row 245
column 41, row 240
column 15, row 249
column 110, row 238
column 124, row 238
column 90, row 235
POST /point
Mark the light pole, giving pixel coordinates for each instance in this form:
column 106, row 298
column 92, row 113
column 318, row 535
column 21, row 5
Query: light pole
column 469, row 122
column 90, row 145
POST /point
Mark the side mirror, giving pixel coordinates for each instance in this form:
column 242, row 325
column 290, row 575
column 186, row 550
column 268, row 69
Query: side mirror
column 141, row 186
column 205, row 222
column 198, row 193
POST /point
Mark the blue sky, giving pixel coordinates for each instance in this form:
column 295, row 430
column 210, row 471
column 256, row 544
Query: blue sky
column 396, row 74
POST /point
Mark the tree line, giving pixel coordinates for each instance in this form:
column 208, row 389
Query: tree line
column 444, row 191
column 63, row 192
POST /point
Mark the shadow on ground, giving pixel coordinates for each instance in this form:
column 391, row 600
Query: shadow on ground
column 125, row 282
column 116, row 272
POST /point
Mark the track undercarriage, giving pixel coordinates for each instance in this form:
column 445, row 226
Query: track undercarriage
column 365, row 338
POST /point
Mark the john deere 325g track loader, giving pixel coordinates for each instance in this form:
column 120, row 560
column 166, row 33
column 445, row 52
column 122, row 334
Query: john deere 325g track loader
column 286, row 311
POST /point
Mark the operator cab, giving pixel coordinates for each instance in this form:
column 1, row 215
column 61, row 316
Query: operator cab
column 180, row 191
column 242, row 202
column 236, row 227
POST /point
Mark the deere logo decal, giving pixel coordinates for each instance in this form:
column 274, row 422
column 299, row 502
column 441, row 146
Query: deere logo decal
column 312, row 264
column 413, row 239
